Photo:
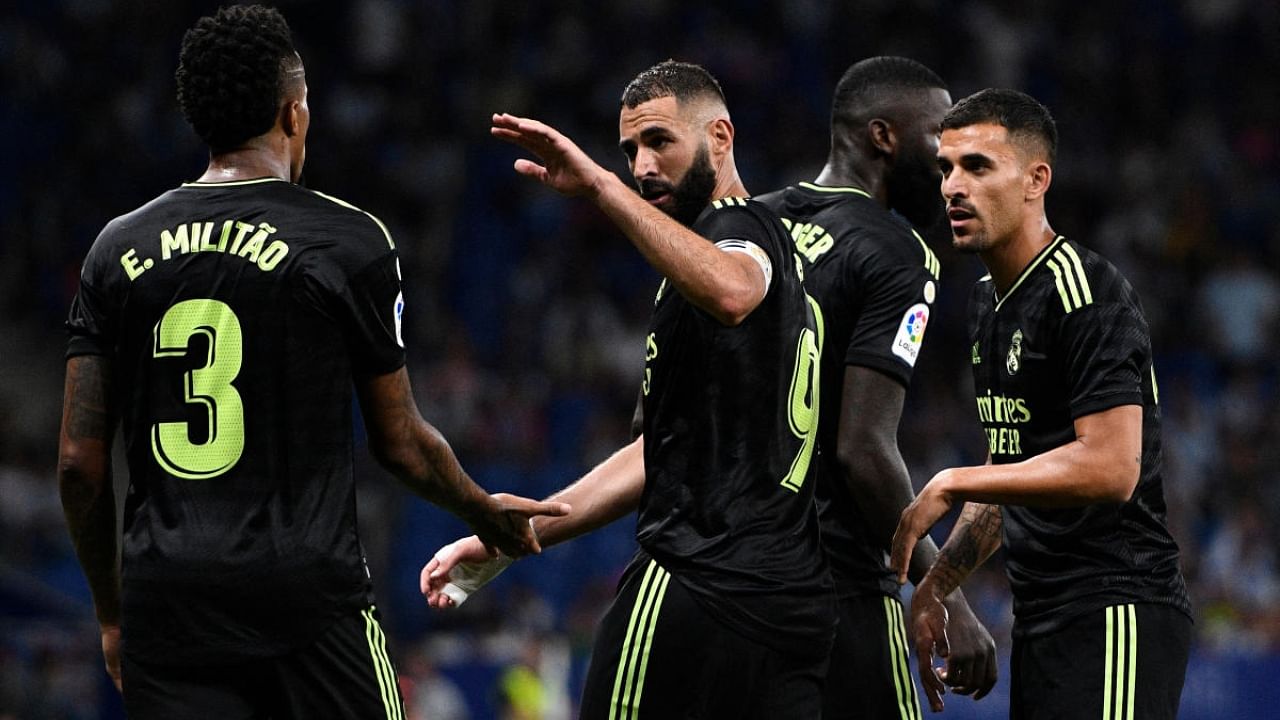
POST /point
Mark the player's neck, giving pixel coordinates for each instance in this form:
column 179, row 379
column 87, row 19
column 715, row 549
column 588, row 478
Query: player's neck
column 255, row 160
column 847, row 173
column 728, row 184
column 1006, row 261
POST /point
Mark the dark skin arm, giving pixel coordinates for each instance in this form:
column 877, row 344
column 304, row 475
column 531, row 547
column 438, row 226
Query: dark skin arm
column 609, row 491
column 85, row 485
column 878, row 481
column 416, row 453
column 974, row 538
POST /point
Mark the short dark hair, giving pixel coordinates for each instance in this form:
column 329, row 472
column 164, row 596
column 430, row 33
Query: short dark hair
column 232, row 73
column 684, row 81
column 868, row 83
column 1019, row 113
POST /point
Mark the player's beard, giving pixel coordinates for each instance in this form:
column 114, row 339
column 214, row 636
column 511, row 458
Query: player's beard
column 913, row 187
column 691, row 196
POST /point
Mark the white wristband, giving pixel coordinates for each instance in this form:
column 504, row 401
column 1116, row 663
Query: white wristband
column 467, row 577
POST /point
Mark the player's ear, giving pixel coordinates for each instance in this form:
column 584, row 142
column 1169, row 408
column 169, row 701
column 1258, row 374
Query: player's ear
column 291, row 118
column 1038, row 178
column 720, row 136
column 882, row 137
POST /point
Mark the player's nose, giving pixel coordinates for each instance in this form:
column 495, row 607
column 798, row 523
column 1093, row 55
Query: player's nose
column 646, row 164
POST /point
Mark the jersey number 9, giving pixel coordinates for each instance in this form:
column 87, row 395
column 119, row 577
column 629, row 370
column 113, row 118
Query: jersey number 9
column 802, row 405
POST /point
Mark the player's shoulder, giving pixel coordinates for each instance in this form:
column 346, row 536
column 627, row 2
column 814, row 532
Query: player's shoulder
column 374, row 230
column 741, row 216
column 1083, row 277
column 120, row 228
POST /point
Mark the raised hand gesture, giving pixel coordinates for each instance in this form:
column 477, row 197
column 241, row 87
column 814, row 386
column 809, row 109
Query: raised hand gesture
column 565, row 167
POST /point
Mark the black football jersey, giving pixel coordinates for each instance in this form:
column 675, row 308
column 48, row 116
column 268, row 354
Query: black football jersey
column 236, row 315
column 1069, row 339
column 729, row 420
column 876, row 280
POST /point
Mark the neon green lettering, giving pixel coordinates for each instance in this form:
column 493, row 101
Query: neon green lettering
column 132, row 267
column 242, row 229
column 272, row 256
column 175, row 241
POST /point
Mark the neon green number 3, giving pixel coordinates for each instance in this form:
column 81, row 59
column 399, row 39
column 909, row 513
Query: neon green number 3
column 802, row 411
column 209, row 385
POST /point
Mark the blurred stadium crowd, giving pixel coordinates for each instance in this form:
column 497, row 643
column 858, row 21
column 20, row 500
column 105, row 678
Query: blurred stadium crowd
column 526, row 312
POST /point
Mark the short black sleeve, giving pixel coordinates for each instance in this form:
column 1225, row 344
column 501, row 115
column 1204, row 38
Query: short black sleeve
column 94, row 318
column 372, row 313
column 738, row 222
column 1104, row 345
column 895, row 310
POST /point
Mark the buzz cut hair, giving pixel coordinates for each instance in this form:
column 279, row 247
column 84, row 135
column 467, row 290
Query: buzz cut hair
column 234, row 70
column 686, row 82
column 869, row 84
column 1020, row 114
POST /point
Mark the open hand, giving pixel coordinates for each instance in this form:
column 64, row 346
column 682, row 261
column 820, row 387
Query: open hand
column 457, row 570
column 565, row 167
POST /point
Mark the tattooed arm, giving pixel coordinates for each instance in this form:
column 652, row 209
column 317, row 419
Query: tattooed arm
column 974, row 538
column 88, row 501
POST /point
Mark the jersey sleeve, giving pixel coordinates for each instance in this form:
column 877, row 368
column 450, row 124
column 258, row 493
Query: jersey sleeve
column 373, row 312
column 896, row 302
column 93, row 320
column 1105, row 349
column 732, row 227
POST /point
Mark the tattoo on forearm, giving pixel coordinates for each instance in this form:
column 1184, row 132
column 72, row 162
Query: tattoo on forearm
column 88, row 399
column 976, row 536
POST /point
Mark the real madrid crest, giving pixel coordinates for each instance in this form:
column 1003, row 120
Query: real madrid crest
column 1014, row 360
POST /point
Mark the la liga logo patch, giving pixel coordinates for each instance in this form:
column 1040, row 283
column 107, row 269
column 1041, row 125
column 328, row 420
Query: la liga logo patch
column 906, row 344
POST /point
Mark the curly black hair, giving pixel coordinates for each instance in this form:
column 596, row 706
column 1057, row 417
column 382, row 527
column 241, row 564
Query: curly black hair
column 671, row 78
column 1020, row 114
column 233, row 71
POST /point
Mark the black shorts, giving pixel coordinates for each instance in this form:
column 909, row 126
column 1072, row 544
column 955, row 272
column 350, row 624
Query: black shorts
column 870, row 675
column 658, row 654
column 346, row 673
column 1125, row 662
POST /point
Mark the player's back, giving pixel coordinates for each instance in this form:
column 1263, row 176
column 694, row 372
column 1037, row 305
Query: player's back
column 237, row 314
column 875, row 280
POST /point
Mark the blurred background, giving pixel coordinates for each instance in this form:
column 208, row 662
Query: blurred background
column 526, row 312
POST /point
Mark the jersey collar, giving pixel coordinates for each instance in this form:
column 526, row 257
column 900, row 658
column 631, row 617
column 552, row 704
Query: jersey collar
column 231, row 183
column 1026, row 272
column 833, row 189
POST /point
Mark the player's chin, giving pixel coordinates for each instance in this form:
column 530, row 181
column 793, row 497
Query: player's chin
column 964, row 240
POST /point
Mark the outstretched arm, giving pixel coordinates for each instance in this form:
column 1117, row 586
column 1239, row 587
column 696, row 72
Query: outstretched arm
column 85, row 484
column 726, row 285
column 609, row 491
column 419, row 456
column 877, row 478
